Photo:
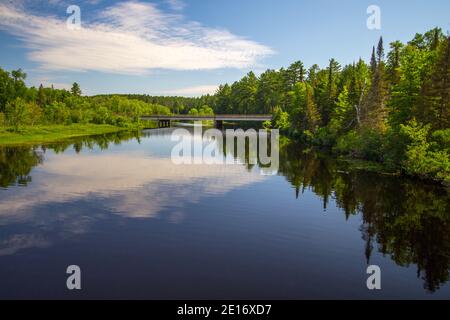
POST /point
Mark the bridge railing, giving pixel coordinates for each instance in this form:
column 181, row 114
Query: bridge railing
column 259, row 117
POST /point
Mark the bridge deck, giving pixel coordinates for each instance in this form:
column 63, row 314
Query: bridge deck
column 217, row 117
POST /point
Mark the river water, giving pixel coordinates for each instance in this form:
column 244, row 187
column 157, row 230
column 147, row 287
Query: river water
column 140, row 226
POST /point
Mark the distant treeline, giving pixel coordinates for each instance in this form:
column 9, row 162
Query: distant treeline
column 177, row 105
column 22, row 106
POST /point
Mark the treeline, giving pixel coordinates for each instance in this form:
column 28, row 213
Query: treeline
column 177, row 105
column 22, row 106
column 393, row 110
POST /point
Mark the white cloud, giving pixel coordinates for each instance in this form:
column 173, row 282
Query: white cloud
column 138, row 184
column 193, row 91
column 129, row 38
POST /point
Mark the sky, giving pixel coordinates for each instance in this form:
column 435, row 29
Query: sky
column 190, row 47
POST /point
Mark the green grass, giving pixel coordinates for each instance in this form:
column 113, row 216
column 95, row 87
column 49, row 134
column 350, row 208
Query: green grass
column 52, row 133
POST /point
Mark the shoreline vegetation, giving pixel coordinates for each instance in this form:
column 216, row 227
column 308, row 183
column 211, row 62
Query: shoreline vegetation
column 388, row 115
column 53, row 133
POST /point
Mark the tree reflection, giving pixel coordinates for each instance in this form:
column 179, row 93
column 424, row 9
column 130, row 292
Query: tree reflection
column 16, row 162
column 404, row 218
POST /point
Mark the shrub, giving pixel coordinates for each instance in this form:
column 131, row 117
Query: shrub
column 267, row 125
column 325, row 137
column 58, row 113
column 34, row 114
column 120, row 121
column 206, row 111
column 441, row 139
column 366, row 144
column 193, row 112
column 102, row 116
column 425, row 158
column 17, row 113
column 281, row 120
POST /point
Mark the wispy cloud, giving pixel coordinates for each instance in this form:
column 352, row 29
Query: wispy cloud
column 193, row 91
column 128, row 38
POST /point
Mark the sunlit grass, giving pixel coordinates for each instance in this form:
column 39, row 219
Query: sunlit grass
column 51, row 133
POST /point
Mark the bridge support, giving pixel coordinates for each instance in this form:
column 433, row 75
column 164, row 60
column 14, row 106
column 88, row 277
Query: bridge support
column 218, row 124
column 163, row 123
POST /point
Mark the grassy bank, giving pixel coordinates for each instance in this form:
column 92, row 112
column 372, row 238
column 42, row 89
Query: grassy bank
column 52, row 133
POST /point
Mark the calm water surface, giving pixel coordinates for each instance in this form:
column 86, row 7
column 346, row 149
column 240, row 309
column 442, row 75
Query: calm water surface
column 142, row 227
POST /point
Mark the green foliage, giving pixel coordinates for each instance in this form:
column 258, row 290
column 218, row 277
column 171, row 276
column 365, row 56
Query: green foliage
column 76, row 90
column 31, row 107
column 206, row 110
column 17, row 113
column 421, row 159
column 202, row 111
column 363, row 110
column 304, row 114
column 57, row 113
column 441, row 139
column 102, row 116
column 267, row 125
column 358, row 110
column 38, row 134
column 365, row 144
column 193, row 112
column 280, row 120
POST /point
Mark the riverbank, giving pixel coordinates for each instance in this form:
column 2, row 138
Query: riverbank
column 346, row 163
column 352, row 164
column 52, row 133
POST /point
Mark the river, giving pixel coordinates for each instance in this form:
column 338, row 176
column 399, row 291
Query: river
column 140, row 226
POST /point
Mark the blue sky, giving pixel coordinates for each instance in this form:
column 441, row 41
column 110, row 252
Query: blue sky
column 189, row 47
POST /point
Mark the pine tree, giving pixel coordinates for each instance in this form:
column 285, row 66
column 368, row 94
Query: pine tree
column 76, row 90
column 305, row 115
column 329, row 102
column 312, row 115
column 374, row 111
column 41, row 98
column 312, row 74
column 380, row 51
column 393, row 63
column 373, row 61
column 433, row 106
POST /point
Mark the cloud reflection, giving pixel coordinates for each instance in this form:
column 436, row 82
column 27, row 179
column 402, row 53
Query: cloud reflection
column 129, row 185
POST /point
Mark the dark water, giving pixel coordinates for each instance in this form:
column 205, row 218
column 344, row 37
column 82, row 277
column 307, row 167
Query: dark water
column 141, row 227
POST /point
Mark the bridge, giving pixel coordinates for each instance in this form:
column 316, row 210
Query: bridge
column 164, row 121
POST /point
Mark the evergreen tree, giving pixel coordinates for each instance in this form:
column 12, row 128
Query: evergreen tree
column 331, row 93
column 374, row 110
column 433, row 106
column 393, row 62
column 373, row 61
column 41, row 98
column 76, row 90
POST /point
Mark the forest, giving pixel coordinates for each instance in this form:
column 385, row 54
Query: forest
column 21, row 106
column 393, row 110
